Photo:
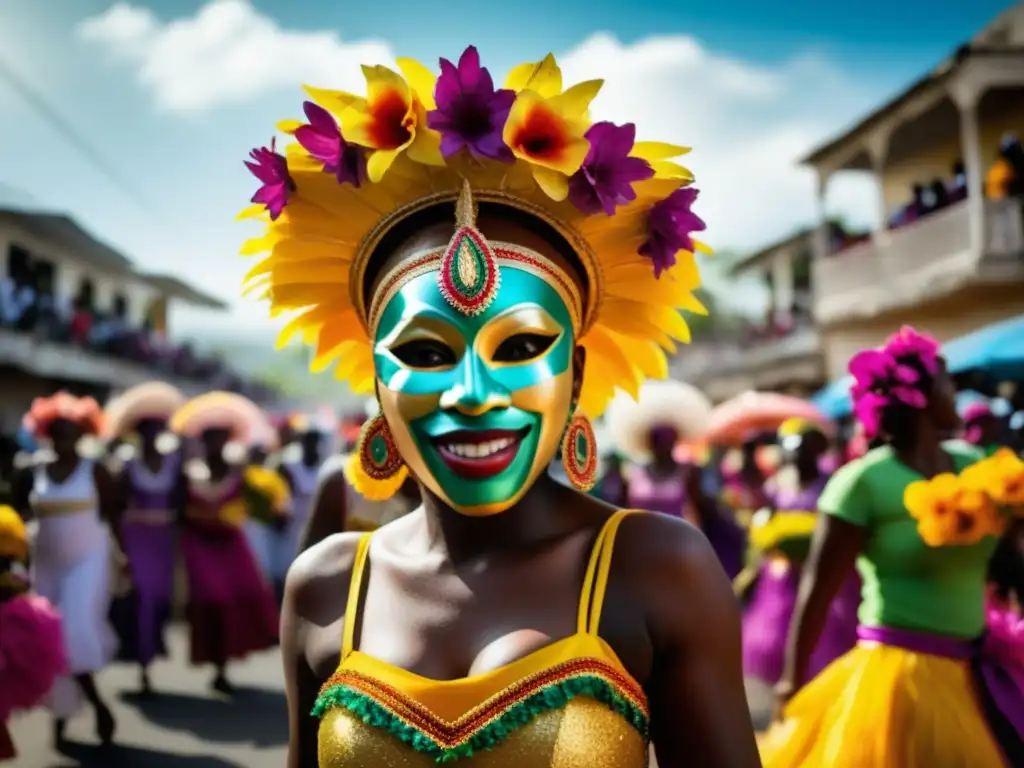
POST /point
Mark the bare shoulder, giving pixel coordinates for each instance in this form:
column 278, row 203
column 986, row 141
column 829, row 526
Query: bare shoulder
column 672, row 570
column 319, row 576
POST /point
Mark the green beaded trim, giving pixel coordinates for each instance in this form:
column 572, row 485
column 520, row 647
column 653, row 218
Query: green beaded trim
column 552, row 697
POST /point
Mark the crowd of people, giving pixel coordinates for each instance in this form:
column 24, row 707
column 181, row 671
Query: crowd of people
column 240, row 494
column 1004, row 178
column 502, row 596
column 103, row 509
column 31, row 304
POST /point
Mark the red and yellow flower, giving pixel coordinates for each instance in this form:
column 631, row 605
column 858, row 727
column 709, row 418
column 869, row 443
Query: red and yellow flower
column 391, row 119
column 547, row 126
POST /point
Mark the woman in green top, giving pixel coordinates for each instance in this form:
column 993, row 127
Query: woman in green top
column 908, row 696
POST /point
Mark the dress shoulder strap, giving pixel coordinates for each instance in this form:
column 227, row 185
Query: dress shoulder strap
column 595, row 583
column 355, row 592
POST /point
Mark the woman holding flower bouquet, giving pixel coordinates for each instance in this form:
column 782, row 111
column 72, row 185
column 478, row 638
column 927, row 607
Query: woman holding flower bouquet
column 920, row 519
column 231, row 608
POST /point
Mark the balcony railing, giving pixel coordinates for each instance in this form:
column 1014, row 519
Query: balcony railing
column 927, row 259
column 726, row 368
column 49, row 359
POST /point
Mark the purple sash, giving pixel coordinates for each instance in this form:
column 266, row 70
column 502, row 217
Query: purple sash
column 997, row 662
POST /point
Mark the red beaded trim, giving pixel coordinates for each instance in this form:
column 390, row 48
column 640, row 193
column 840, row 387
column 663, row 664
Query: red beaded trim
column 378, row 427
column 428, row 262
column 468, row 305
column 582, row 476
column 450, row 734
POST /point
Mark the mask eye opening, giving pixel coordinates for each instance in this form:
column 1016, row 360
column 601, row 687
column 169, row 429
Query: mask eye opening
column 524, row 347
column 425, row 354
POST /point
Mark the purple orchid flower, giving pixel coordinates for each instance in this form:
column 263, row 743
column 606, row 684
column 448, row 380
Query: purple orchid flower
column 909, row 343
column 323, row 140
column 272, row 171
column 905, row 374
column 910, row 396
column 889, row 375
column 868, row 410
column 605, row 180
column 869, row 365
column 470, row 113
column 670, row 223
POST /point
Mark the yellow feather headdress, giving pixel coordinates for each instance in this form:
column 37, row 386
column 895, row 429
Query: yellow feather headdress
column 362, row 164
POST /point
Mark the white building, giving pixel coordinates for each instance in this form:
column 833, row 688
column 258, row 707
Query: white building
column 952, row 271
column 69, row 262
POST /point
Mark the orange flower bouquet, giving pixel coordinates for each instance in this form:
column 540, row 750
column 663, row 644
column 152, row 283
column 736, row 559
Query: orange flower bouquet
column 1001, row 476
column 963, row 509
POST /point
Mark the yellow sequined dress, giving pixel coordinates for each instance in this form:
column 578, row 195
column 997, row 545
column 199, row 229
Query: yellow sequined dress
column 568, row 705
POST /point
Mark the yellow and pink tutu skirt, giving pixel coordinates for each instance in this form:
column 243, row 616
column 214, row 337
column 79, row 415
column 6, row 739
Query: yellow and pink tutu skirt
column 31, row 658
column 910, row 700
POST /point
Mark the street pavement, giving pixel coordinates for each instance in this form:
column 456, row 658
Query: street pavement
column 188, row 725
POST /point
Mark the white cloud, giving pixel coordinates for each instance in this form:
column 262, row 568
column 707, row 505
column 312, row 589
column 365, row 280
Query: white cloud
column 748, row 123
column 227, row 52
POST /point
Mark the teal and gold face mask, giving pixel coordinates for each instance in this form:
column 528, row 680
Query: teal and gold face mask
column 473, row 350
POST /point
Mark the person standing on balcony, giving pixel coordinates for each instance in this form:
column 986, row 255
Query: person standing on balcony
column 75, row 502
column 921, row 688
column 957, row 190
column 151, row 488
column 13, row 301
column 231, row 609
column 1005, row 178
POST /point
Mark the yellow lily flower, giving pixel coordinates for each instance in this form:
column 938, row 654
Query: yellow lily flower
column 658, row 155
column 392, row 119
column 543, row 77
column 548, row 133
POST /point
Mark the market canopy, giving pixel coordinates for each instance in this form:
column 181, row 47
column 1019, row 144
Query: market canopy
column 833, row 399
column 997, row 349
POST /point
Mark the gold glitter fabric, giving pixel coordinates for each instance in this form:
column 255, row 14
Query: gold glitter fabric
column 583, row 734
column 570, row 704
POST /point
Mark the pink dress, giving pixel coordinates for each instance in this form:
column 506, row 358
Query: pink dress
column 231, row 609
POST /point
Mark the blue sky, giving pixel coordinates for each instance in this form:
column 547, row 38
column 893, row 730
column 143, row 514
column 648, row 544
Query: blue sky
column 750, row 85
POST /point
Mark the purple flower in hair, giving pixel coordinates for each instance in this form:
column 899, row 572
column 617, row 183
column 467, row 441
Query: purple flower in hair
column 883, row 377
column 470, row 113
column 904, row 374
column 910, row 396
column 868, row 366
column 670, row 223
column 322, row 139
column 272, row 171
column 909, row 344
column 868, row 410
column 605, row 180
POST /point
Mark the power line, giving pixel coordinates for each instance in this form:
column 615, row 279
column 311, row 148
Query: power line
column 71, row 135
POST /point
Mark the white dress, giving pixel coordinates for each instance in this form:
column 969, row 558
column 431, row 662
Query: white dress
column 71, row 568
